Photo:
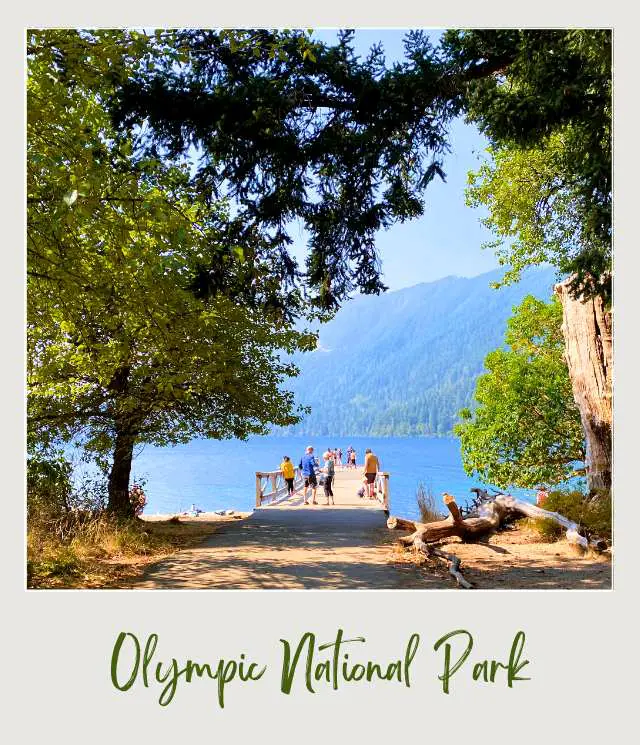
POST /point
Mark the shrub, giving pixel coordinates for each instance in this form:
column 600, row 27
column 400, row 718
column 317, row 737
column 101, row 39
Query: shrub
column 547, row 530
column 591, row 512
column 49, row 485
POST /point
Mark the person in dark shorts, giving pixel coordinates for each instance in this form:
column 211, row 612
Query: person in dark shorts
column 288, row 474
column 330, row 467
column 371, row 468
column 308, row 466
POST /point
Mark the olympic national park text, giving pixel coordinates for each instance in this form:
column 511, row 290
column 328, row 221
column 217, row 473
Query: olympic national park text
column 309, row 665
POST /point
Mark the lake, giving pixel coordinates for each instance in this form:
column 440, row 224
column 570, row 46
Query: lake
column 217, row 475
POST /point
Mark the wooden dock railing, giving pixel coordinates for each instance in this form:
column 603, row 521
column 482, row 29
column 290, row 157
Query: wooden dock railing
column 382, row 488
column 271, row 485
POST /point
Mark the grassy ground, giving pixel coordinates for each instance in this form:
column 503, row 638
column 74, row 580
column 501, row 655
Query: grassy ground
column 103, row 552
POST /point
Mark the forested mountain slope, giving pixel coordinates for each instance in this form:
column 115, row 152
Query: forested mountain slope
column 404, row 363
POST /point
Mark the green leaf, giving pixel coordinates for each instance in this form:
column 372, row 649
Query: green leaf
column 70, row 197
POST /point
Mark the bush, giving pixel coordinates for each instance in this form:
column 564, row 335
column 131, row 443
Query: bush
column 547, row 530
column 591, row 512
column 427, row 505
column 57, row 486
column 49, row 485
column 67, row 526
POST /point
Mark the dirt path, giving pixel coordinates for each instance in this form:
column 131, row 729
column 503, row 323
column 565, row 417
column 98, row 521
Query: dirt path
column 347, row 548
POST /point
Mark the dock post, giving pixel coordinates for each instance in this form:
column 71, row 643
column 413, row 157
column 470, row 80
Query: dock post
column 258, row 490
column 386, row 492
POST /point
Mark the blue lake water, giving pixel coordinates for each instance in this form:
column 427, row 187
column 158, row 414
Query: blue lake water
column 221, row 474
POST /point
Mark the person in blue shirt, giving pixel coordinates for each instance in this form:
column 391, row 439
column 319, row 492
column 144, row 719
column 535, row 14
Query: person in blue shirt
column 308, row 466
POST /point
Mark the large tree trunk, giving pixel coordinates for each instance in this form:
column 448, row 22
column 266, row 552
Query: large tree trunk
column 587, row 329
column 126, row 433
column 119, row 501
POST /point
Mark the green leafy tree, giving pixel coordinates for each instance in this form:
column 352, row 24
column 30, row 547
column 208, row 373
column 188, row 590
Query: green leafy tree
column 548, row 191
column 123, row 348
column 535, row 212
column 526, row 427
column 547, row 114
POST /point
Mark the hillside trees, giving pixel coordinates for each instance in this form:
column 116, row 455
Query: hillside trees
column 123, row 348
column 526, row 428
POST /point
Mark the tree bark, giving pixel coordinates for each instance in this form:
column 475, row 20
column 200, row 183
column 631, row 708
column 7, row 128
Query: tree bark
column 119, row 502
column 587, row 329
column 125, row 438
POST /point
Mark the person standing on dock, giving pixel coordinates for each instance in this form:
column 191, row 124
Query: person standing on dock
column 371, row 468
column 308, row 466
column 329, row 464
column 286, row 467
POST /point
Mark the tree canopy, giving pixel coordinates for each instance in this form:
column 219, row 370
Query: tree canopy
column 121, row 349
column 293, row 129
column 526, row 427
column 168, row 171
column 548, row 180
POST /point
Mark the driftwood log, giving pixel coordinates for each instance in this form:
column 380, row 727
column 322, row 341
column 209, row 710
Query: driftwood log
column 575, row 533
column 489, row 514
column 489, row 517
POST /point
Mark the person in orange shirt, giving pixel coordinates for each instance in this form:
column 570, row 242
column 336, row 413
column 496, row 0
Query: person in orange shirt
column 371, row 468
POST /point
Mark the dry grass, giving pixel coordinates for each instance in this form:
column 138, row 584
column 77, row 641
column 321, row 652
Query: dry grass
column 546, row 531
column 429, row 512
column 82, row 551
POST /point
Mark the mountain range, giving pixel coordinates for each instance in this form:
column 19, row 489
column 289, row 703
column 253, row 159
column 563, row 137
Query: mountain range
column 405, row 362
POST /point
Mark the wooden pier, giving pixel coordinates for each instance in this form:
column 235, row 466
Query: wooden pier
column 271, row 491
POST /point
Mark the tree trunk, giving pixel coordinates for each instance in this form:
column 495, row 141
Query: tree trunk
column 126, row 432
column 587, row 329
column 119, row 501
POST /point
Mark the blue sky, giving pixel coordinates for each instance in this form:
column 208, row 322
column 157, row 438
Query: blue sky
column 446, row 239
